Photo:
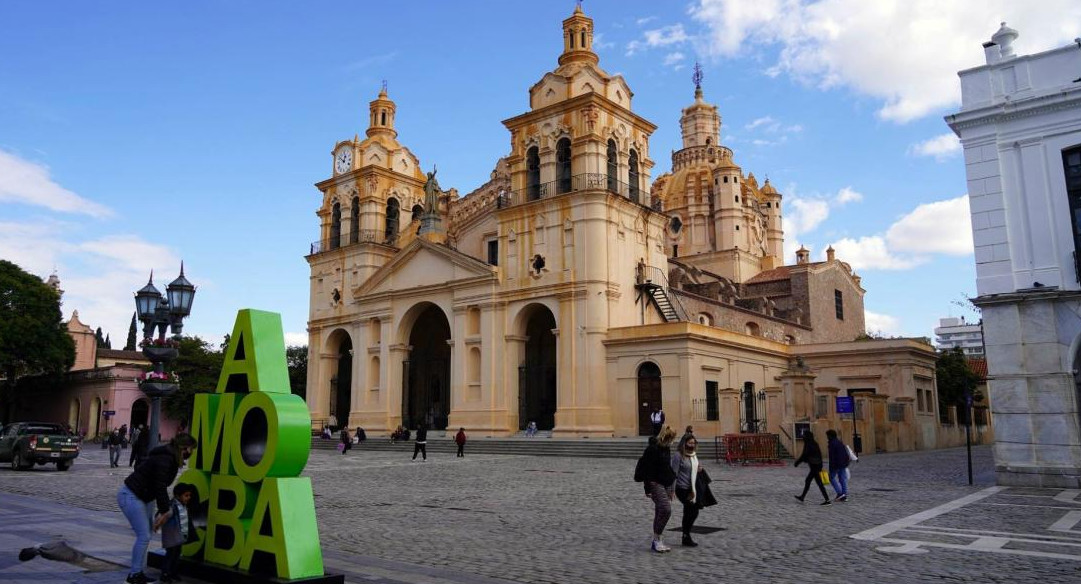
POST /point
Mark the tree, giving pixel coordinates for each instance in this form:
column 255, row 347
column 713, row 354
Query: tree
column 100, row 338
column 108, row 342
column 296, row 358
column 954, row 378
column 198, row 366
column 33, row 337
column 132, row 339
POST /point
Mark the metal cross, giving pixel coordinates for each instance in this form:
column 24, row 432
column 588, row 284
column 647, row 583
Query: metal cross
column 697, row 76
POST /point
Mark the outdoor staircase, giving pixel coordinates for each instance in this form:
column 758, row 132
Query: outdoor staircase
column 660, row 299
column 521, row 446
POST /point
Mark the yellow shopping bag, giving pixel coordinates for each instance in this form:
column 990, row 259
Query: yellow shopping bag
column 825, row 476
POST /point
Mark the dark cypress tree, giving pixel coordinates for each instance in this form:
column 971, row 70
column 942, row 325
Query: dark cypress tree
column 108, row 343
column 130, row 345
column 100, row 338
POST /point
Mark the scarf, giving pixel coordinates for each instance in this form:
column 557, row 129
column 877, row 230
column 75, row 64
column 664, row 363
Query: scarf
column 693, row 458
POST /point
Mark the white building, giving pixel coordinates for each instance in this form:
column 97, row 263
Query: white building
column 954, row 333
column 1020, row 125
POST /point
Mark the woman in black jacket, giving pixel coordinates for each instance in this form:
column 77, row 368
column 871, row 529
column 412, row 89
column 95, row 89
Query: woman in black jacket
column 146, row 487
column 659, row 478
column 812, row 455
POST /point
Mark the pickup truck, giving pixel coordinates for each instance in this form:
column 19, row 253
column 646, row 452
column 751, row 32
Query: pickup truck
column 25, row 443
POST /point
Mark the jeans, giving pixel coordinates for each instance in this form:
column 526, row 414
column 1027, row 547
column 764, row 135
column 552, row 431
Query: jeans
column 839, row 481
column 140, row 514
column 114, row 455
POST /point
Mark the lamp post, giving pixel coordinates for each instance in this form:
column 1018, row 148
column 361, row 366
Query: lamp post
column 162, row 313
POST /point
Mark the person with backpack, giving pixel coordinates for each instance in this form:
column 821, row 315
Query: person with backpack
column 654, row 471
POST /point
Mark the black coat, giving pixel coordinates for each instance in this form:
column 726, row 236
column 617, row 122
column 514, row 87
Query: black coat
column 812, row 454
column 152, row 478
column 658, row 465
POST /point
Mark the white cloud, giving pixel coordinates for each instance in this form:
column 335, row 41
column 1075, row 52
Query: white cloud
column 903, row 52
column 98, row 275
column 883, row 324
column 599, row 43
column 673, row 58
column 644, row 20
column 847, row 195
column 767, row 121
column 804, row 215
column 22, row 181
column 940, row 227
column 941, row 147
column 659, row 37
column 871, row 253
column 296, row 339
column 776, row 131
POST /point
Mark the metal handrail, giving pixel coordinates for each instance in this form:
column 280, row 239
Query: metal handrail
column 656, row 276
column 578, row 182
column 362, row 236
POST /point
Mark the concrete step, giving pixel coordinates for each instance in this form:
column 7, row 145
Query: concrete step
column 581, row 447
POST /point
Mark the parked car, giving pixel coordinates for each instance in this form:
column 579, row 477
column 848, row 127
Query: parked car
column 25, row 443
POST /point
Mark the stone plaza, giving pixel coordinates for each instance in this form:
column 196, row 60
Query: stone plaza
column 498, row 518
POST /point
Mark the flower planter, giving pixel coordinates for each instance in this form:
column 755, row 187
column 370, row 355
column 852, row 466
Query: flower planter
column 157, row 388
column 160, row 354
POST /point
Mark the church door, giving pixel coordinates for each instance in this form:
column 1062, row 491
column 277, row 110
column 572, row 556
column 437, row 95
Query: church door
column 139, row 413
column 427, row 392
column 537, row 376
column 342, row 384
column 649, row 396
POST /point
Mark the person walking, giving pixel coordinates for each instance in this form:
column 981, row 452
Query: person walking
column 658, row 481
column 685, row 465
column 176, row 530
column 347, row 440
column 421, row 445
column 812, row 455
column 838, row 453
column 139, row 445
column 146, row 487
column 115, row 442
column 656, row 419
column 459, row 439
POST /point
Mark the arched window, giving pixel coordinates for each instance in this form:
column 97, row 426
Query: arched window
column 354, row 221
column 632, row 176
column 532, row 164
column 392, row 219
column 383, row 118
column 563, row 165
column 708, row 140
column 417, row 211
column 613, row 167
column 572, row 39
column 583, row 43
column 336, row 226
column 752, row 329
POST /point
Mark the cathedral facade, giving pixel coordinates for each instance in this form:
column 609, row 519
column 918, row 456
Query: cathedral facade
column 573, row 291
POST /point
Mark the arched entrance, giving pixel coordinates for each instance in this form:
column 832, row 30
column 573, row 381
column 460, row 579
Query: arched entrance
column 341, row 384
column 649, row 395
column 73, row 414
column 94, row 421
column 426, row 395
column 140, row 411
column 537, row 374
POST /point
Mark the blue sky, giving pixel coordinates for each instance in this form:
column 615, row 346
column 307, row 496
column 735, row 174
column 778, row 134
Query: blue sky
column 134, row 135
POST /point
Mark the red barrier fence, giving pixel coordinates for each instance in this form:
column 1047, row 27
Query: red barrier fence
column 752, row 449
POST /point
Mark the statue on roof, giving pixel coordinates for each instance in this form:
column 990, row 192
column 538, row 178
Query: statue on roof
column 431, row 193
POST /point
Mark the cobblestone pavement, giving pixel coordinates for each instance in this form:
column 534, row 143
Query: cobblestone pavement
column 490, row 518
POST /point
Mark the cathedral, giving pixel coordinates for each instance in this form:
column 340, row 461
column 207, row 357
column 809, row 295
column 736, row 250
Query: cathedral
column 576, row 291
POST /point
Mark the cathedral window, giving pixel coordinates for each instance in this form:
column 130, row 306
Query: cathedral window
column 613, row 166
column 583, row 43
column 726, row 180
column 392, row 219
column 336, row 226
column 493, row 252
column 839, row 304
column 416, row 212
column 1071, row 162
column 383, row 118
column 354, row 221
column 563, row 165
column 572, row 39
column 632, row 176
column 532, row 164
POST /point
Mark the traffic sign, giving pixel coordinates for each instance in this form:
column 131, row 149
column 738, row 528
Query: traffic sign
column 109, row 413
column 845, row 405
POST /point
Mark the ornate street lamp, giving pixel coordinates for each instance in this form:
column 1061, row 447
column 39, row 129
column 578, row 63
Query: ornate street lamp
column 162, row 313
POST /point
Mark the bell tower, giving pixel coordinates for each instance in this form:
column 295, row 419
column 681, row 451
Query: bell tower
column 578, row 39
column 700, row 122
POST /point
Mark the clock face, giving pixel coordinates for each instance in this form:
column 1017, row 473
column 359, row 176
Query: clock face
column 343, row 162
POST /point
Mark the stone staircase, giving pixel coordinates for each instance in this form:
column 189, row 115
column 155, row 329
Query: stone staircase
column 540, row 445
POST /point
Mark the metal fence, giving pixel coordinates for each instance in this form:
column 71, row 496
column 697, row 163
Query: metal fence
column 578, row 182
column 352, row 238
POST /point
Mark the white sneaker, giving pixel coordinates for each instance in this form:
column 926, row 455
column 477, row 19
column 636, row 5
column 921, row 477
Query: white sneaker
column 659, row 547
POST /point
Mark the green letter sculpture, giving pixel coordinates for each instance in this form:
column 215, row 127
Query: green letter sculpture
column 254, row 440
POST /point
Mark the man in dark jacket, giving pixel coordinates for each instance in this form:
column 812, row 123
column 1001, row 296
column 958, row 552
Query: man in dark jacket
column 422, row 442
column 146, row 488
column 838, row 463
column 115, row 442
